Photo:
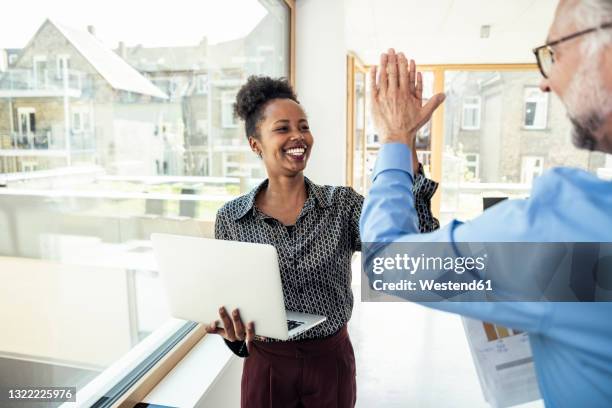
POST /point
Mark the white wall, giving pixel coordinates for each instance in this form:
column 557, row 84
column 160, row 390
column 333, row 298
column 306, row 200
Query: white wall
column 321, row 85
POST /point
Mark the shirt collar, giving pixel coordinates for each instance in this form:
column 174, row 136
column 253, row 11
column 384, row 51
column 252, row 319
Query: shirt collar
column 315, row 192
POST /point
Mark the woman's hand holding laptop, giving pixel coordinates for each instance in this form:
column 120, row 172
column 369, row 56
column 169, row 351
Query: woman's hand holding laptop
column 233, row 329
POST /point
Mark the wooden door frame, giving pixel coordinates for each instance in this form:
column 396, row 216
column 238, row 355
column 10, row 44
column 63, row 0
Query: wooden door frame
column 353, row 65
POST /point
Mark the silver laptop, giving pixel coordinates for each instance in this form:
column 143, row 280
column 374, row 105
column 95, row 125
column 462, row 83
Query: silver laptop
column 200, row 275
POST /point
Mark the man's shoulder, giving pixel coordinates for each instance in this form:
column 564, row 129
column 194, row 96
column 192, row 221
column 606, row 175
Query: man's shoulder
column 562, row 181
column 573, row 198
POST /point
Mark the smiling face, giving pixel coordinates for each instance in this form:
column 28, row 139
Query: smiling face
column 284, row 139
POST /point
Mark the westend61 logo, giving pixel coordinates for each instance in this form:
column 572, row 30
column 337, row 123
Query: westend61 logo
column 412, row 264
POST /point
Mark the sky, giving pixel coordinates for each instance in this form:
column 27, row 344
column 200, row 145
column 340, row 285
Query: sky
column 150, row 23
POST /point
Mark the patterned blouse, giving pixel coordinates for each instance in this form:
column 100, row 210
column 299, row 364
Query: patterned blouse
column 315, row 253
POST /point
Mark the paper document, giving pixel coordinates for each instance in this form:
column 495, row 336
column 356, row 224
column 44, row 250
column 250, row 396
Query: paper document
column 503, row 362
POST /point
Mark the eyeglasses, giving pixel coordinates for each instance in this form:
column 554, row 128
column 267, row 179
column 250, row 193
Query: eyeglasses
column 545, row 55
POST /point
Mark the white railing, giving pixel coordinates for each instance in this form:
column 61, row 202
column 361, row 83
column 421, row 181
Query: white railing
column 27, row 79
column 44, row 139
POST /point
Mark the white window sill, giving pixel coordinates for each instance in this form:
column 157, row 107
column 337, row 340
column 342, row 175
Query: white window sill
column 208, row 376
column 93, row 391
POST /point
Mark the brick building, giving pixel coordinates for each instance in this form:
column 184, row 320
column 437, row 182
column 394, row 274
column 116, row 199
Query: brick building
column 60, row 104
column 506, row 130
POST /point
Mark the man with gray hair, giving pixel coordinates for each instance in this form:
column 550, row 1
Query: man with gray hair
column 571, row 342
column 583, row 75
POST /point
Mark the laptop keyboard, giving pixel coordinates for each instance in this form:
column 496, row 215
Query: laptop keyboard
column 292, row 324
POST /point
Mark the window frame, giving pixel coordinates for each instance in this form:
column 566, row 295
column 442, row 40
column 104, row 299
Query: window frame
column 354, row 68
column 132, row 385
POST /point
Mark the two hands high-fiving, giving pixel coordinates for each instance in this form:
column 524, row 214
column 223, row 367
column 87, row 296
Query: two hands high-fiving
column 397, row 99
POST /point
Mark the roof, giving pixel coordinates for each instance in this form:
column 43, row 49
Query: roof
column 156, row 59
column 117, row 72
column 200, row 57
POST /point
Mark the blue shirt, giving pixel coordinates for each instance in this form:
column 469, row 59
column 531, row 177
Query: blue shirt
column 571, row 342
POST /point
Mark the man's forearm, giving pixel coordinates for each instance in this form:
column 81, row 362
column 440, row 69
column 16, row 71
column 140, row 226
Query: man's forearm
column 388, row 211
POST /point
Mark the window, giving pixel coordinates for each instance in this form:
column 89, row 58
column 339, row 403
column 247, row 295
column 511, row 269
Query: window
column 169, row 85
column 470, row 120
column 202, row 84
column 500, row 159
column 27, row 121
column 372, row 139
column 62, row 66
column 40, row 71
column 12, row 58
column 128, row 97
column 471, row 166
column 80, row 119
column 423, row 137
column 535, row 113
column 228, row 98
column 133, row 146
column 531, row 167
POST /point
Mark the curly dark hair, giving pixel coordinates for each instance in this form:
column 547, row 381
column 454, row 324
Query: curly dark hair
column 254, row 95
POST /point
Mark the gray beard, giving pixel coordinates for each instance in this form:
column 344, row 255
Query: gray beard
column 583, row 132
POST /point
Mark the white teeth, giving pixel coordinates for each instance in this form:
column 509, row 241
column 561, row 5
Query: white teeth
column 296, row 151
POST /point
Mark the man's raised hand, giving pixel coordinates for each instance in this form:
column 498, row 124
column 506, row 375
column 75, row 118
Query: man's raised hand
column 397, row 99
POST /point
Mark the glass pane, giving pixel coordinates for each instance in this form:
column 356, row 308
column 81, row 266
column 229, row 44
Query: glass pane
column 496, row 141
column 138, row 137
column 423, row 139
column 359, row 142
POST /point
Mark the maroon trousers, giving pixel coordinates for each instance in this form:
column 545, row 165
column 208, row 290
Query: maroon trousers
column 309, row 373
